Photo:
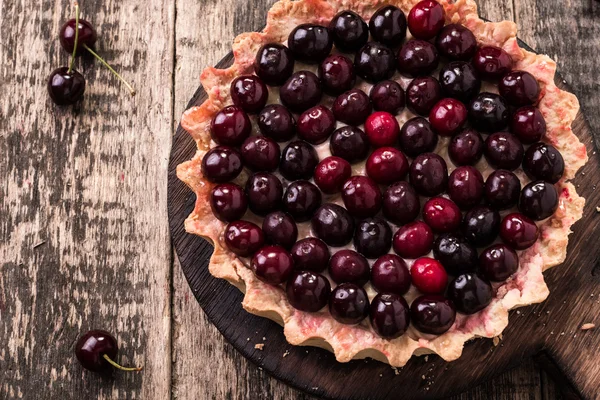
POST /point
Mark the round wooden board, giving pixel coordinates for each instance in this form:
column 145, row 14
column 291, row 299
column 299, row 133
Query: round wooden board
column 532, row 330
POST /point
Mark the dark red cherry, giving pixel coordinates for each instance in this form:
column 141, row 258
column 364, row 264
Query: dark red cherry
column 221, row 164
column 426, row 19
column 417, row 137
column 417, row 58
column 243, row 238
column 492, row 62
column 539, row 200
column 97, row 351
column 389, row 315
column 230, row 126
column 333, row 225
column 260, row 153
column 519, row 88
column 448, row 116
column 349, row 143
column 280, row 229
column 349, row 304
column 470, row 293
column 422, row 94
column 375, row 62
column 459, row 80
column 361, row 196
column 373, row 237
column 337, row 74
column 429, row 174
column 249, row 93
column 264, row 192
column 388, row 96
column 352, row 107
column 316, row 124
column 331, row 174
column 413, row 240
column 349, row 31
column 301, row 200
column 272, row 265
column 87, row 36
column 228, row 202
column 276, row 122
column 274, row 64
column 387, row 165
column 301, row 91
column 502, row 189
column 433, row 314
column 456, row 42
column 308, row 291
column 466, row 148
column 455, row 253
column 382, row 129
column 310, row 254
column 465, row 186
column 481, row 225
column 488, row 112
column 401, row 203
column 298, row 160
column 310, row 43
column 528, row 124
column 518, row 231
column 542, row 161
column 498, row 262
column 429, row 276
column 390, row 274
column 503, row 150
column 441, row 214
column 388, row 26
column 349, row 266
column 65, row 87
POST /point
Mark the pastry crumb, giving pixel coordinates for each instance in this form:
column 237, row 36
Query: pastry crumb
column 426, row 358
column 423, row 377
column 259, row 346
column 396, row 371
column 264, row 338
column 588, row 326
column 287, row 353
column 598, row 209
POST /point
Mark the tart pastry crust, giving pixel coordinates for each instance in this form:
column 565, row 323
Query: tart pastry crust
column 525, row 287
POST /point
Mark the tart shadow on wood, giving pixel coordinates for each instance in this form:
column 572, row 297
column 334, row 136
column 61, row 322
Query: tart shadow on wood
column 549, row 331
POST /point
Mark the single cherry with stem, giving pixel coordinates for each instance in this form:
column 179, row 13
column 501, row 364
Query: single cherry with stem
column 84, row 36
column 97, row 350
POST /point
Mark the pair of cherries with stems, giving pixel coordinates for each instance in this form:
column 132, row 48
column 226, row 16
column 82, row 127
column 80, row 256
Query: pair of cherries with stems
column 65, row 84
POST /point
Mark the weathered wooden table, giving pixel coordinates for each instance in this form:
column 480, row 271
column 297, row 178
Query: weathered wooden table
column 83, row 225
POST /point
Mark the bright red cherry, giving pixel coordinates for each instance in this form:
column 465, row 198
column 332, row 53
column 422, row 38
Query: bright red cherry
column 382, row 129
column 429, row 276
column 331, row 174
column 387, row 165
column 413, row 240
column 426, row 19
column 518, row 231
column 441, row 214
column 448, row 116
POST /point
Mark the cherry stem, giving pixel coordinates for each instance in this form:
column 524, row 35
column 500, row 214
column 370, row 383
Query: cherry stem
column 131, row 89
column 76, row 37
column 114, row 364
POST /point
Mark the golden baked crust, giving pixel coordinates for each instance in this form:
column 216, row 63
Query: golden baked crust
column 527, row 286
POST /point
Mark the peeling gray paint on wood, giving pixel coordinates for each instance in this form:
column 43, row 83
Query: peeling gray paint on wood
column 89, row 182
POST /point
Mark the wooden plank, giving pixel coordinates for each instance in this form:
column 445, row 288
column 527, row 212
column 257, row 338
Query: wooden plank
column 83, row 228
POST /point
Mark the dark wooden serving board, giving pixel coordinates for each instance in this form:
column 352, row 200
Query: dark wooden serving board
column 549, row 331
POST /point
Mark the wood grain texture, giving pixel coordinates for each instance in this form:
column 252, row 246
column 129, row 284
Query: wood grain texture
column 83, row 227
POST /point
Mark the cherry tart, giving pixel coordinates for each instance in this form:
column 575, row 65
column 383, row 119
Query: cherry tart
column 381, row 179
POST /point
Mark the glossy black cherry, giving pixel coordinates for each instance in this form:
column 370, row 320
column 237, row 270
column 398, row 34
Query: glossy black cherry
column 276, row 122
column 455, row 253
column 519, row 231
column 488, row 112
column 97, row 351
column 349, row 31
column 333, row 224
column 465, row 186
column 466, row 148
column 388, row 96
column 301, row 200
column 280, row 229
column 460, row 80
column 260, row 153
column 310, row 43
column 422, row 94
column 243, row 238
column 433, row 314
column 417, row 58
column 492, row 62
column 308, row 291
column 298, row 160
column 86, row 36
column 349, row 143
column 249, row 93
column 389, row 315
column 352, row 107
column 389, row 274
column 228, row 202
column 470, row 293
column 401, row 203
column 230, row 126
column 429, row 174
column 310, row 254
column 388, row 26
column 349, row 266
column 543, row 162
column 348, row 303
column 375, row 62
column 502, row 189
column 481, row 225
column 417, row 137
column 519, row 88
column 456, row 42
column 274, row 64
column 65, row 87
column 528, row 124
column 221, row 164
column 539, row 200
column 373, row 237
column 337, row 74
column 301, row 91
column 264, row 191
column 503, row 151
column 498, row 262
